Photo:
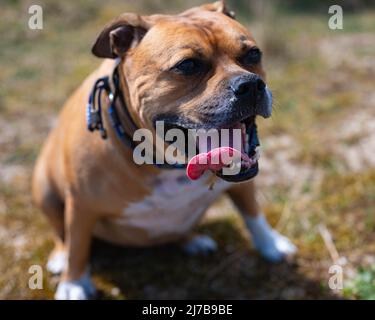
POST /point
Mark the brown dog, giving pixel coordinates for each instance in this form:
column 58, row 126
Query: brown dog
column 197, row 69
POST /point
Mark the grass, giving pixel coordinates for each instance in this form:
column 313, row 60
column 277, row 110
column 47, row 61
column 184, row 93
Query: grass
column 362, row 286
column 320, row 85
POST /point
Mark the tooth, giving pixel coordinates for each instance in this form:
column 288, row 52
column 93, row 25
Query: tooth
column 257, row 153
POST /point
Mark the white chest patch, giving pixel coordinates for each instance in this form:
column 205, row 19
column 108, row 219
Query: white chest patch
column 175, row 205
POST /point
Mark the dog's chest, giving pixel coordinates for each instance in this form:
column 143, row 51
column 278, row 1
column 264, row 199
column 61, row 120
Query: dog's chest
column 174, row 206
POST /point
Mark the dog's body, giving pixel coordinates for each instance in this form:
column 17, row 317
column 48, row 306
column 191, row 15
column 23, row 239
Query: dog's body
column 168, row 214
column 87, row 185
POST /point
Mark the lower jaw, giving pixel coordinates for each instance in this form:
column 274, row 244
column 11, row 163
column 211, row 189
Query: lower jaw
column 242, row 176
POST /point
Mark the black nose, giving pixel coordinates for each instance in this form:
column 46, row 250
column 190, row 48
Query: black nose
column 245, row 86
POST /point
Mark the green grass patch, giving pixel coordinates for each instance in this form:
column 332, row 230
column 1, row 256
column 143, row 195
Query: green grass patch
column 363, row 285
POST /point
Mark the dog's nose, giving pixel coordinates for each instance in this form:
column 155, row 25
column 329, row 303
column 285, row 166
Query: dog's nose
column 245, row 86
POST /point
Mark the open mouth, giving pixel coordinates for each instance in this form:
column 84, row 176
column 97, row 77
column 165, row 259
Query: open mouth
column 233, row 160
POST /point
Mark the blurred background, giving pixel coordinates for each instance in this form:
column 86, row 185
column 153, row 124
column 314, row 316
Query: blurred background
column 317, row 175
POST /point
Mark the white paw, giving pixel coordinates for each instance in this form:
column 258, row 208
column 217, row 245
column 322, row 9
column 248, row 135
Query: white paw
column 57, row 262
column 277, row 248
column 81, row 289
column 271, row 245
column 200, row 245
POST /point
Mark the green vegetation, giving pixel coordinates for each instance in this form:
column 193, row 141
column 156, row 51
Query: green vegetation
column 362, row 286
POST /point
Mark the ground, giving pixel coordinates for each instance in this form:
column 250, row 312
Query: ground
column 317, row 170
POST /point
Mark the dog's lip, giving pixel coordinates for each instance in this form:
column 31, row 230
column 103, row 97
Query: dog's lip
column 186, row 123
column 242, row 176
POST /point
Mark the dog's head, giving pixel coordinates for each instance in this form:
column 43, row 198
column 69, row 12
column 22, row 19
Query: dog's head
column 198, row 69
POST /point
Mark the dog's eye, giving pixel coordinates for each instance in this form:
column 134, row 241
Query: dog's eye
column 189, row 67
column 252, row 57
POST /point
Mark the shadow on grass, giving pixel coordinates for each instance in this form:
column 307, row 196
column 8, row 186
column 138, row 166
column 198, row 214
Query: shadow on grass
column 235, row 271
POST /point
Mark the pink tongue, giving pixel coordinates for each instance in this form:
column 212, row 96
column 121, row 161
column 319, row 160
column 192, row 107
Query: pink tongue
column 214, row 160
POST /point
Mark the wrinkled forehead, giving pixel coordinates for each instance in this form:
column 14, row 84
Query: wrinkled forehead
column 201, row 34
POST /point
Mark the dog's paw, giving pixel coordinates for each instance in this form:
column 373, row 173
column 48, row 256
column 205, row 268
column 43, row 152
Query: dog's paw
column 276, row 248
column 57, row 262
column 81, row 289
column 199, row 245
column 273, row 246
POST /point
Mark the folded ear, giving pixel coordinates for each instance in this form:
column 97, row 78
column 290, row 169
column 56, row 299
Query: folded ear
column 219, row 6
column 120, row 35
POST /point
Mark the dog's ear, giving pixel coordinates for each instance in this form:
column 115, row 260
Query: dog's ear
column 219, row 6
column 120, row 35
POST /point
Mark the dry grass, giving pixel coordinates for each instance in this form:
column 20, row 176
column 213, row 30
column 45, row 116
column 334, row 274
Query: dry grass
column 317, row 168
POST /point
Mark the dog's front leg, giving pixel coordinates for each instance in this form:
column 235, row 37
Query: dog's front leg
column 270, row 244
column 75, row 283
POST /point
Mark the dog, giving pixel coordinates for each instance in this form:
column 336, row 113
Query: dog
column 198, row 69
